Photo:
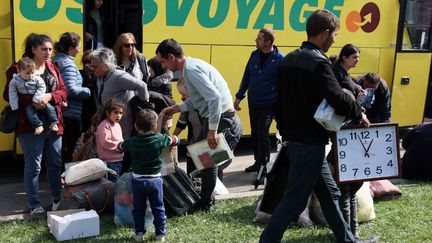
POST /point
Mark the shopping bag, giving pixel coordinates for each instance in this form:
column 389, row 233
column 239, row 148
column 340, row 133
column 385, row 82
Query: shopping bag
column 97, row 195
column 8, row 120
column 85, row 147
column 325, row 115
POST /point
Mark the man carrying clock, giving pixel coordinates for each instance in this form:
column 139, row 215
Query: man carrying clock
column 305, row 79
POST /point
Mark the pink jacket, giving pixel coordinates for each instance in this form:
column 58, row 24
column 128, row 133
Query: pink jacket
column 108, row 136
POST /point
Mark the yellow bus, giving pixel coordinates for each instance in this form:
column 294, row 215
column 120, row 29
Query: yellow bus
column 394, row 36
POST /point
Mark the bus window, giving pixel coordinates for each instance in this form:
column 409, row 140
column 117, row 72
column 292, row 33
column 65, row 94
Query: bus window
column 418, row 20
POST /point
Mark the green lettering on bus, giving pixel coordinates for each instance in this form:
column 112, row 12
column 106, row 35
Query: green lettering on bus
column 31, row 11
column 330, row 6
column 203, row 13
column 177, row 14
column 277, row 19
column 75, row 15
column 150, row 8
column 296, row 23
column 244, row 12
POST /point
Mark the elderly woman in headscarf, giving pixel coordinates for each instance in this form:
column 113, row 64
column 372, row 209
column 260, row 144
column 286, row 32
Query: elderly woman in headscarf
column 115, row 83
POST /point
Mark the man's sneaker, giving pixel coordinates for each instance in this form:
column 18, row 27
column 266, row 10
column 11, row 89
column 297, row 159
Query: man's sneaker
column 160, row 238
column 37, row 212
column 38, row 130
column 53, row 127
column 55, row 206
column 138, row 236
column 252, row 168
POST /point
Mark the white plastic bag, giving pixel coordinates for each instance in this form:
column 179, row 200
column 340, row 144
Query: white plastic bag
column 326, row 116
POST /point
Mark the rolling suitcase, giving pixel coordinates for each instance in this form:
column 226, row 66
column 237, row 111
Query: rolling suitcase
column 276, row 182
column 179, row 193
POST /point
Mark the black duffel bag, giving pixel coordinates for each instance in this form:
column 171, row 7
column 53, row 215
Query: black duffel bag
column 8, row 120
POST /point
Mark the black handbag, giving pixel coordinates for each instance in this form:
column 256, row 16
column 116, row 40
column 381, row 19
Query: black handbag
column 8, row 120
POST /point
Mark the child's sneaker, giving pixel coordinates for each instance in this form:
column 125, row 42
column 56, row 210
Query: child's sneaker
column 38, row 130
column 138, row 236
column 37, row 212
column 160, row 238
column 54, row 127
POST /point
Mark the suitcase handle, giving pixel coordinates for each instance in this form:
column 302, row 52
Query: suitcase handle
column 88, row 199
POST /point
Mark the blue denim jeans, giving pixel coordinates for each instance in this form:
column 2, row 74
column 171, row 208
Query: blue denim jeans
column 32, row 116
column 150, row 188
column 261, row 116
column 308, row 172
column 348, row 204
column 47, row 145
column 117, row 167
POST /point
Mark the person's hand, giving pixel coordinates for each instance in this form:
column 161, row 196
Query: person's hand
column 237, row 105
column 38, row 106
column 212, row 138
column 364, row 120
column 171, row 148
column 169, row 111
column 88, row 36
column 361, row 92
column 45, row 98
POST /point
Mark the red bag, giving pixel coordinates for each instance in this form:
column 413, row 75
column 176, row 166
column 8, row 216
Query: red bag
column 384, row 189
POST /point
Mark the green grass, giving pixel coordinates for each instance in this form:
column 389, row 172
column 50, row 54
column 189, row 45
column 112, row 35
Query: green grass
column 408, row 219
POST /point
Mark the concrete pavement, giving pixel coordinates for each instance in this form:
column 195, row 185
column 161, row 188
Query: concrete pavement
column 13, row 203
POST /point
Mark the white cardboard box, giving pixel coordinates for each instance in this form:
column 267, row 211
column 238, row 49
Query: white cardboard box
column 73, row 226
column 325, row 115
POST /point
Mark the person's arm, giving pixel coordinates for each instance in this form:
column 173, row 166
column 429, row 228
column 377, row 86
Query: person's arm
column 69, row 74
column 60, row 94
column 128, row 82
column 181, row 123
column 41, row 89
column 333, row 93
column 13, row 95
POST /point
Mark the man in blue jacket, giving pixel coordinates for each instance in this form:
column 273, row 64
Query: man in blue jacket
column 259, row 79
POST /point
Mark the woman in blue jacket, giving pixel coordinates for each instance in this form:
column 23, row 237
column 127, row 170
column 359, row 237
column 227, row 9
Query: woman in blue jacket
column 66, row 50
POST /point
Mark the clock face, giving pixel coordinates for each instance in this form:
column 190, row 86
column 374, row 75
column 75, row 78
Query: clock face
column 367, row 153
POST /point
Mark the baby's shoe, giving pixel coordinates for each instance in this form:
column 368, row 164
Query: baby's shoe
column 54, row 127
column 38, row 130
column 138, row 236
column 160, row 238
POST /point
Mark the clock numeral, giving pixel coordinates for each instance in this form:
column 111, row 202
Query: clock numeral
column 343, row 168
column 367, row 171
column 389, row 150
column 388, row 137
column 365, row 135
column 353, row 135
column 379, row 170
column 342, row 154
column 355, row 171
column 390, row 163
column 342, row 141
column 377, row 133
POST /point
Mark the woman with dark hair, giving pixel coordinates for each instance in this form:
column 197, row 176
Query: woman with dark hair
column 160, row 78
column 97, row 32
column 129, row 58
column 349, row 57
column 48, row 144
column 89, row 81
column 67, row 49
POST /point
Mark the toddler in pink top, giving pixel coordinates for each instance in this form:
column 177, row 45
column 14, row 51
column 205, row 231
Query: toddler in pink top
column 109, row 136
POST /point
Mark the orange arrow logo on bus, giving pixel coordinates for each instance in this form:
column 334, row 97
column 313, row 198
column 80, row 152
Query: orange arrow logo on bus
column 367, row 19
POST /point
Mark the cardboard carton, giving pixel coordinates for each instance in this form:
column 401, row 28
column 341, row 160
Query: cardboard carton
column 67, row 226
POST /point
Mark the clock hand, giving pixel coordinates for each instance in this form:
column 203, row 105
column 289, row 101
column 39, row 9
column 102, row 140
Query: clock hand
column 367, row 150
column 363, row 147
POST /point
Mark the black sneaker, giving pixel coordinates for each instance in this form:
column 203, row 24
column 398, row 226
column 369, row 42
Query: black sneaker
column 252, row 168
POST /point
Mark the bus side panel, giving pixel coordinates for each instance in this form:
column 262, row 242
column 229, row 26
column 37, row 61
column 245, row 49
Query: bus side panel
column 51, row 18
column 5, row 25
column 408, row 101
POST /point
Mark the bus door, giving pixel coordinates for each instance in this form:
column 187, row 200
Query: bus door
column 413, row 61
column 121, row 16
column 52, row 18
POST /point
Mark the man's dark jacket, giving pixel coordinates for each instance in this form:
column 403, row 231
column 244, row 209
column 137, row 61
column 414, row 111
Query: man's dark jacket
column 305, row 79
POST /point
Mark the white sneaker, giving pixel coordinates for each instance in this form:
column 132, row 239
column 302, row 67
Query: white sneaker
column 160, row 238
column 37, row 212
column 55, row 206
column 138, row 236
